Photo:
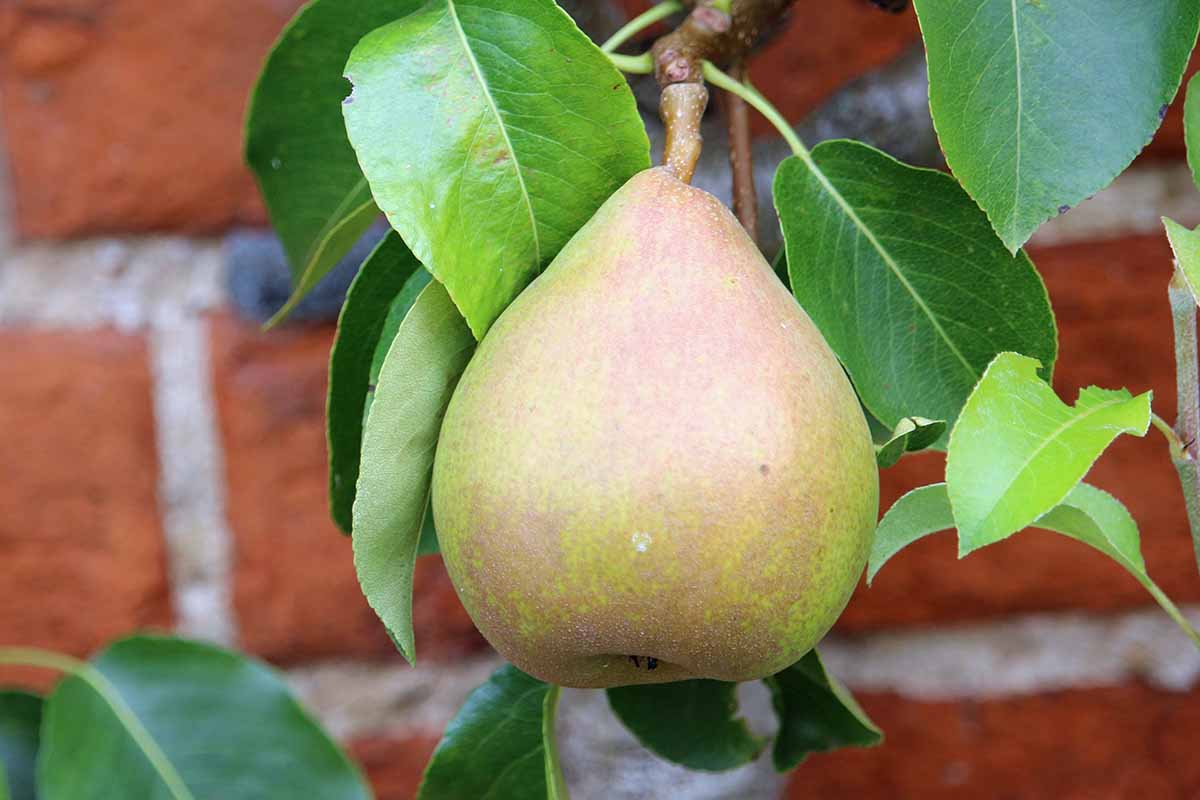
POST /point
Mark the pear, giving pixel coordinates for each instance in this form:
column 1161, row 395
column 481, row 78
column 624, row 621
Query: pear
column 654, row 468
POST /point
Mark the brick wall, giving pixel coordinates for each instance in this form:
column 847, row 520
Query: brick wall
column 164, row 459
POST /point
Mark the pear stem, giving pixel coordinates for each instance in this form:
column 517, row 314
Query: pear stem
column 741, row 154
column 681, row 107
column 640, row 23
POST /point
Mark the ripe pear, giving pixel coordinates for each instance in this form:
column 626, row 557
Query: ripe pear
column 654, row 468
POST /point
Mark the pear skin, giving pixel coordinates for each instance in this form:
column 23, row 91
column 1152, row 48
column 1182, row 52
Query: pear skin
column 654, row 468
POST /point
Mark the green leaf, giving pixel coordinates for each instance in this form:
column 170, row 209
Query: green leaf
column 906, row 280
column 922, row 511
column 694, row 723
column 816, row 714
column 1191, row 126
column 1039, row 104
column 20, row 721
column 1087, row 514
column 1186, row 246
column 426, row 358
column 500, row 745
column 296, row 142
column 160, row 717
column 1018, row 450
column 490, row 131
column 911, row 435
column 428, row 544
column 371, row 303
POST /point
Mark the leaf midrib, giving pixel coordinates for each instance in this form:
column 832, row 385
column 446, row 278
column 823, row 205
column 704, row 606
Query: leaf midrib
column 1054, row 435
column 888, row 260
column 487, row 94
column 1020, row 113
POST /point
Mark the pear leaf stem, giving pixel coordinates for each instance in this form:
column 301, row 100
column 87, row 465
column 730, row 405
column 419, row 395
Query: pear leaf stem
column 640, row 23
column 633, row 65
column 762, row 105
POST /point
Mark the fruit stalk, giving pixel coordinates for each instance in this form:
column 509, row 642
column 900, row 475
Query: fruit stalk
column 682, row 106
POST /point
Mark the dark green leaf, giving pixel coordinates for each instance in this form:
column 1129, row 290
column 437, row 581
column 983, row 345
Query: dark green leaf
column 179, row 719
column 423, row 365
column 1039, row 104
column 906, row 280
column 20, row 720
column 372, row 302
column 911, row 435
column 500, row 745
column 816, row 714
column 693, row 723
column 490, row 131
column 296, row 141
column 1017, row 450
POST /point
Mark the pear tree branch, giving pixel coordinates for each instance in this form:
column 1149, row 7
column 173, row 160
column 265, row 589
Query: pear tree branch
column 720, row 31
column 741, row 153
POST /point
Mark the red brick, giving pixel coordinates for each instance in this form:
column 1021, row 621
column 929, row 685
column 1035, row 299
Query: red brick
column 394, row 766
column 1168, row 142
column 80, row 534
column 125, row 115
column 817, row 53
column 1115, row 330
column 294, row 587
column 1099, row 744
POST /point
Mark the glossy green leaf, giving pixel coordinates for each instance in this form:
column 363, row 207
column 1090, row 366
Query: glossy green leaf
column 166, row 718
column 906, row 280
column 490, row 131
column 372, row 302
column 1017, row 450
column 20, row 721
column 911, row 435
column 1186, row 246
column 1087, row 514
column 816, row 714
column 296, row 142
column 1039, row 104
column 426, row 358
column 501, row 744
column 693, row 723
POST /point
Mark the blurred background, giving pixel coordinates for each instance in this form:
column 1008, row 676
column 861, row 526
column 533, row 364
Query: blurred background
column 162, row 460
